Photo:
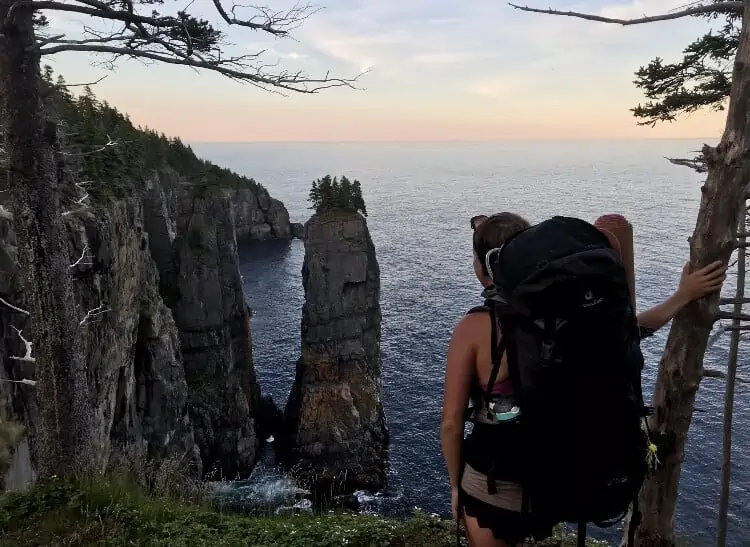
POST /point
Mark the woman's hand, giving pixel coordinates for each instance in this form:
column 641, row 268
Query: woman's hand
column 701, row 282
column 454, row 503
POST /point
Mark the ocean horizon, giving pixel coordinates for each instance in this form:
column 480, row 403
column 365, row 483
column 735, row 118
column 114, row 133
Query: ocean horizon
column 714, row 139
column 420, row 196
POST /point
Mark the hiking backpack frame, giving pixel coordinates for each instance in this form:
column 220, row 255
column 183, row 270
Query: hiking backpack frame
column 561, row 302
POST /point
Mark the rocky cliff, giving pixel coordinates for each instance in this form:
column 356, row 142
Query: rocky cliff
column 256, row 215
column 167, row 334
column 337, row 434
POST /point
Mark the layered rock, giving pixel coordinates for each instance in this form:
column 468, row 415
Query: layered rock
column 257, row 215
column 138, row 388
column 214, row 324
column 337, row 434
column 168, row 340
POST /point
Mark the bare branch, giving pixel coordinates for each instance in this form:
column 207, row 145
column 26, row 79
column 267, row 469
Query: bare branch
column 84, row 256
column 27, row 358
column 716, row 335
column 93, row 314
column 100, row 10
column 22, row 381
column 711, row 373
column 720, row 7
column 86, row 84
column 698, row 164
column 278, row 23
column 174, row 40
column 100, row 148
column 283, row 80
column 734, row 316
column 11, row 306
column 726, row 301
column 79, row 203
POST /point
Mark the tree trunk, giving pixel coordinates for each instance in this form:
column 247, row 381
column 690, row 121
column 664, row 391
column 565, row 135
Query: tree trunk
column 681, row 367
column 734, row 347
column 65, row 430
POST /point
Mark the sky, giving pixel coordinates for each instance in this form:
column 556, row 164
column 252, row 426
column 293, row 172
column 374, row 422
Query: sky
column 436, row 70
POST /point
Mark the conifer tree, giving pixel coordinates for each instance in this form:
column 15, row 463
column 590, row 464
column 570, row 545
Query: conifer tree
column 327, row 194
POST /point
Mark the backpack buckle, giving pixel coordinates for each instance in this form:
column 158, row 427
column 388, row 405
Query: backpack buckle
column 546, row 352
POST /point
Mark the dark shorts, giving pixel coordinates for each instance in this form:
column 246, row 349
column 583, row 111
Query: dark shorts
column 509, row 526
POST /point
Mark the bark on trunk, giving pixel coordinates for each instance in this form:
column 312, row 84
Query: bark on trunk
column 734, row 347
column 65, row 433
column 681, row 367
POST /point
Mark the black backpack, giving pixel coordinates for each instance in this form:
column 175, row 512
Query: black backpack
column 561, row 302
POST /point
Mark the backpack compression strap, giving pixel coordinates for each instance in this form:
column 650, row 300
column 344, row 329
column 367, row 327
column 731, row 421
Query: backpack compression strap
column 497, row 351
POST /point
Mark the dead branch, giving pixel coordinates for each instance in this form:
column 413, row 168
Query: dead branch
column 720, row 7
column 724, row 329
column 92, row 314
column 100, row 148
column 711, row 373
column 79, row 204
column 11, row 306
column 726, row 301
column 84, row 256
column 277, row 23
column 27, row 358
column 698, row 164
column 184, row 40
column 283, row 80
column 85, row 84
column 733, row 315
column 22, row 381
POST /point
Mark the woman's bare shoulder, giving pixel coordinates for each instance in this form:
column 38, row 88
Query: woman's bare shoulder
column 469, row 323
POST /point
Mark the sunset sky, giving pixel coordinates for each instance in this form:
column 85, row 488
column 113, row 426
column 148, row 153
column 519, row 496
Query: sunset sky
column 439, row 70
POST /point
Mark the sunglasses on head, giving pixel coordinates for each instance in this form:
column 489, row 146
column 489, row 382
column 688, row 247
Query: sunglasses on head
column 477, row 220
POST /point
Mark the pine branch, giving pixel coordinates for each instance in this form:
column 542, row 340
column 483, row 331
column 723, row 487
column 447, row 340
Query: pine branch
column 720, row 7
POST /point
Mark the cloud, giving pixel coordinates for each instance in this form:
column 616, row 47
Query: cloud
column 498, row 87
column 458, row 59
column 438, row 58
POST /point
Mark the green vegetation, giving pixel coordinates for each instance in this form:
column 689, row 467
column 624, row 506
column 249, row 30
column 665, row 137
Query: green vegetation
column 104, row 147
column 111, row 512
column 328, row 194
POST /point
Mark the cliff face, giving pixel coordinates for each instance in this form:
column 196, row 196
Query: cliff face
column 337, row 428
column 212, row 317
column 257, row 215
column 167, row 338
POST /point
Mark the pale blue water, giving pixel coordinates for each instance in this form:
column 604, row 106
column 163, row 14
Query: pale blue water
column 420, row 198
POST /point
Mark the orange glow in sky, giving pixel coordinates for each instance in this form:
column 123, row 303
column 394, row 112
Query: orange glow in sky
column 439, row 70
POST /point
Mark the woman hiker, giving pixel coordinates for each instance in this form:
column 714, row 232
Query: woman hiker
column 495, row 520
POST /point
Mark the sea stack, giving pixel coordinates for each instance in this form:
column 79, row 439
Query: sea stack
column 337, row 434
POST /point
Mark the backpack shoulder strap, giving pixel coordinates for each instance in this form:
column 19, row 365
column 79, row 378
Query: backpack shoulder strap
column 484, row 308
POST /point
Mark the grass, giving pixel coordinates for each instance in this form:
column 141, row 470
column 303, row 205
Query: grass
column 113, row 512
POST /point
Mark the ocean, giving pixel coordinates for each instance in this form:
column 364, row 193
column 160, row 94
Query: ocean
column 420, row 197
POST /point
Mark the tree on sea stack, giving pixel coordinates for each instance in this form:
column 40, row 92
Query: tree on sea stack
column 31, row 156
column 714, row 237
column 329, row 194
